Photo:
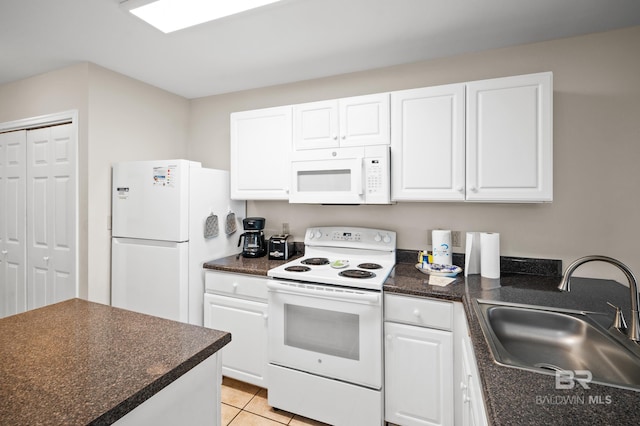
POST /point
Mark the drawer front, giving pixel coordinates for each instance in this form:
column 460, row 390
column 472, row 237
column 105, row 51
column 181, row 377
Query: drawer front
column 419, row 311
column 236, row 285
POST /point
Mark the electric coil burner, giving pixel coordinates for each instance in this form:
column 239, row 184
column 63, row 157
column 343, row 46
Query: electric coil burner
column 297, row 268
column 315, row 261
column 357, row 273
column 369, row 266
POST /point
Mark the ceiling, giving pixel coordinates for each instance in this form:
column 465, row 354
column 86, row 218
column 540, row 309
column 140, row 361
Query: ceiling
column 290, row 41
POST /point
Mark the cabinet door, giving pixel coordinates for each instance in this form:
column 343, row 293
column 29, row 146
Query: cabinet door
column 418, row 375
column 316, row 125
column 364, row 120
column 356, row 121
column 469, row 401
column 245, row 358
column 510, row 139
column 472, row 404
column 260, row 149
column 427, row 144
column 13, row 288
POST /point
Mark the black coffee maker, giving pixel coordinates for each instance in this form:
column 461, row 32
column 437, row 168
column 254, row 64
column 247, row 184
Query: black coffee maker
column 254, row 244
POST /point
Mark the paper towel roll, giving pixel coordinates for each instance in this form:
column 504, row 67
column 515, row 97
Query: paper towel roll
column 472, row 254
column 490, row 255
column 441, row 246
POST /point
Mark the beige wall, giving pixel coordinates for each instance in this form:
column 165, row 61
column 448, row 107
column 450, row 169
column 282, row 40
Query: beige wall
column 120, row 119
column 596, row 150
column 128, row 120
column 50, row 93
column 596, row 137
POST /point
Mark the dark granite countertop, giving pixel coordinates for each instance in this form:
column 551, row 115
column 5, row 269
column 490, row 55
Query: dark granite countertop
column 514, row 396
column 83, row 363
column 519, row 397
column 245, row 265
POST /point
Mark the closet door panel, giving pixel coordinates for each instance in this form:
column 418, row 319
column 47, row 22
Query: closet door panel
column 12, row 223
column 51, row 215
column 38, row 209
column 64, row 217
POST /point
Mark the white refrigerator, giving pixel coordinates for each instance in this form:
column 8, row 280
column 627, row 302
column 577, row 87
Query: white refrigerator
column 168, row 218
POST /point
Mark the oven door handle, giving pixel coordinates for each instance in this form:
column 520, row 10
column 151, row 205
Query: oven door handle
column 307, row 290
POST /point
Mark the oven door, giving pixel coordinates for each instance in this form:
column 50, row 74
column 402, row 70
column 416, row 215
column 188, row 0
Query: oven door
column 327, row 176
column 325, row 330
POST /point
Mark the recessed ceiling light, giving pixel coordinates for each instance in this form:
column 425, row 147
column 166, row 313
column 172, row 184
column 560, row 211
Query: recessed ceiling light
column 173, row 15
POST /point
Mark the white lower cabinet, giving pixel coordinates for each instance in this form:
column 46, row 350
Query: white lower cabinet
column 418, row 361
column 237, row 303
column 430, row 371
column 469, row 402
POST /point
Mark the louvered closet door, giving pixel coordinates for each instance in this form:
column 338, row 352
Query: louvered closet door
column 51, row 215
column 13, row 289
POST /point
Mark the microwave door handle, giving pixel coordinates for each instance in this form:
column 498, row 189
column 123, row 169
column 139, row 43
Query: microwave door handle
column 360, row 184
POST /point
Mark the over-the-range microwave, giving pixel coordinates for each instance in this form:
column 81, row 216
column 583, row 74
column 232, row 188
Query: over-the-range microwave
column 345, row 175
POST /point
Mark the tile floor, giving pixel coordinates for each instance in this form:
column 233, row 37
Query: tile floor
column 244, row 404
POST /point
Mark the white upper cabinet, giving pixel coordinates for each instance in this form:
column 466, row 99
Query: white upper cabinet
column 510, row 139
column 427, row 144
column 484, row 141
column 355, row 121
column 260, row 149
column 489, row 140
column 315, row 125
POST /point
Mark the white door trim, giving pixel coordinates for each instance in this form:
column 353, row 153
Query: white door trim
column 41, row 121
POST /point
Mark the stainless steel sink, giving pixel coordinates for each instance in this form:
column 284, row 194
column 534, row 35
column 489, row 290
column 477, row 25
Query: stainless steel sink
column 547, row 340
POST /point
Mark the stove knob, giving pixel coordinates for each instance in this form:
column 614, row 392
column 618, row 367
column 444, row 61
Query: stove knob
column 387, row 239
column 318, row 234
column 377, row 238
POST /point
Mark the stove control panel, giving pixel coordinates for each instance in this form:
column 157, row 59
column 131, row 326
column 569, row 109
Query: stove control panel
column 346, row 236
column 340, row 236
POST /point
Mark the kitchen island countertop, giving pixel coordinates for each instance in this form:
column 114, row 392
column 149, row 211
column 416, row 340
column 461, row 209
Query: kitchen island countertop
column 514, row 396
column 81, row 363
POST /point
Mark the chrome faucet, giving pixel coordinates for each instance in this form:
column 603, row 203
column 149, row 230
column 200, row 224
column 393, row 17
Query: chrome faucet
column 633, row 332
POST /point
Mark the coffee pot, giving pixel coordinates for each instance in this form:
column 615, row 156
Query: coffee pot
column 254, row 243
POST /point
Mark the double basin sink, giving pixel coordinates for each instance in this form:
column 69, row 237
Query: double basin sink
column 555, row 341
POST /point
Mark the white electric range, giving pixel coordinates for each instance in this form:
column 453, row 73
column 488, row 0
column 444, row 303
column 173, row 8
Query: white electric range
column 343, row 256
column 325, row 326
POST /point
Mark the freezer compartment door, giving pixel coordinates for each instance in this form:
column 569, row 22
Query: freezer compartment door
column 151, row 277
column 150, row 199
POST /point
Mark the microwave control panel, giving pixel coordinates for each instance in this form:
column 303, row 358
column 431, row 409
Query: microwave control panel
column 374, row 175
column 376, row 183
